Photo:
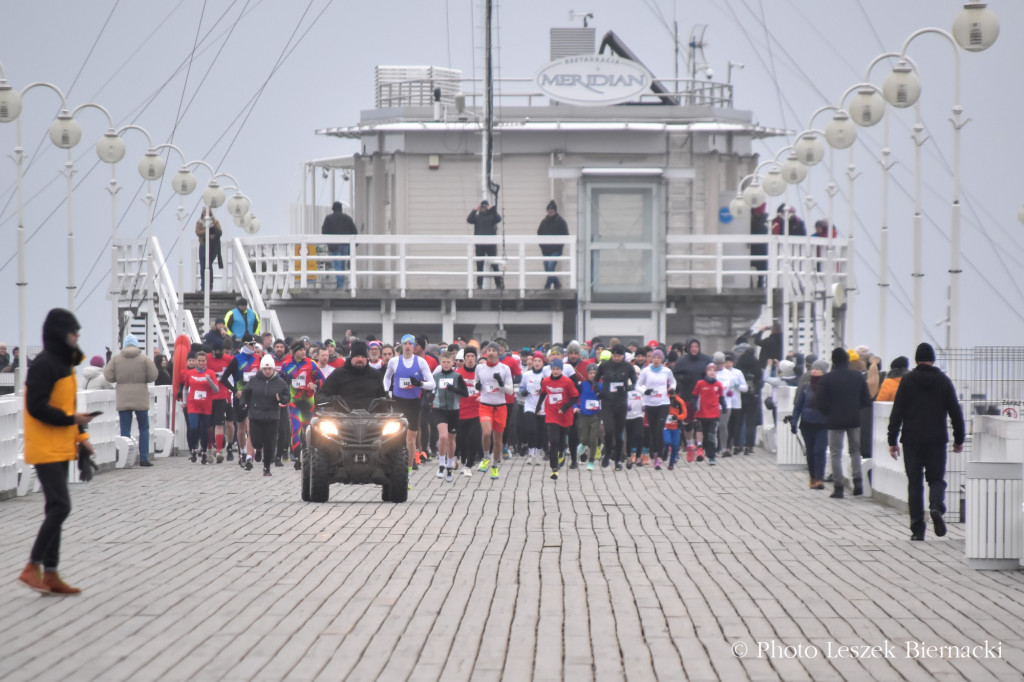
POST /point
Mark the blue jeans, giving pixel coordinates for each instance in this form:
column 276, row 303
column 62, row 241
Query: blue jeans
column 552, row 282
column 339, row 265
column 671, row 450
column 126, row 429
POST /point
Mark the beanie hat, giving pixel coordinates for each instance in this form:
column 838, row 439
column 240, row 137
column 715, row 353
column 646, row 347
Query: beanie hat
column 267, row 361
column 840, row 357
column 820, row 365
column 130, row 340
column 711, row 365
column 718, row 357
column 863, row 350
column 658, row 353
column 297, row 346
column 786, row 368
column 358, row 348
column 618, row 349
column 461, row 355
column 96, row 361
column 902, row 362
column 408, row 338
column 605, row 355
column 925, row 353
column 556, row 362
column 853, row 355
column 552, row 206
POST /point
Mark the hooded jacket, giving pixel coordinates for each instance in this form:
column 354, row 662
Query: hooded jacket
column 689, row 369
column 357, row 386
column 51, row 434
column 552, row 225
column 94, row 379
column 843, row 393
column 263, row 397
column 924, row 398
column 485, row 223
column 130, row 371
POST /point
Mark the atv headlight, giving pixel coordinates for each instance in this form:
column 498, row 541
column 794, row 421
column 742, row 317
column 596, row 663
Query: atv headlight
column 328, row 428
column 391, row 428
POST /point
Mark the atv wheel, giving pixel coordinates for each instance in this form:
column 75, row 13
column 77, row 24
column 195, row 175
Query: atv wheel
column 398, row 484
column 306, row 482
column 385, row 493
column 319, row 483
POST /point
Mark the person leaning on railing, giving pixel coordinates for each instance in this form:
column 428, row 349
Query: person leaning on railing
column 337, row 222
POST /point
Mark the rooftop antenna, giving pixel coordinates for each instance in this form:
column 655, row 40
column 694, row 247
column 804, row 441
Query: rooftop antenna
column 696, row 59
column 586, row 16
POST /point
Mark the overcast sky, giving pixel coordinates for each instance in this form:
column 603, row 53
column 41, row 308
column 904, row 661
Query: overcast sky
column 133, row 58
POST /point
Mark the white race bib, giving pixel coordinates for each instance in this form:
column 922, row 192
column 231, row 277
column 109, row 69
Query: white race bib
column 446, row 383
column 200, row 395
column 615, row 386
column 656, row 395
column 249, row 375
column 593, row 405
column 471, row 390
column 554, row 398
column 404, row 382
column 298, row 383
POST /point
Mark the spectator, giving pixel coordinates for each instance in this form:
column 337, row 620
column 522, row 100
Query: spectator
column 771, row 344
column 5, row 358
column 93, row 375
column 759, row 227
column 163, row 368
column 484, row 220
column 787, row 222
column 552, row 225
column 215, row 235
column 240, row 320
column 130, row 371
column 337, row 222
column 843, row 394
column 217, row 333
column 897, row 368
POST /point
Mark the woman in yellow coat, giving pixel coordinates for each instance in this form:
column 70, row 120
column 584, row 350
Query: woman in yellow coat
column 53, row 431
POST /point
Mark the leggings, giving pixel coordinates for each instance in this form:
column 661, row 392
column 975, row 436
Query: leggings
column 199, row 431
column 614, row 418
column 709, row 431
column 264, row 438
column 635, row 436
column 300, row 413
column 468, row 447
column 536, row 432
column 656, row 416
column 671, row 444
column 53, row 477
column 735, row 428
column 556, row 442
column 284, row 431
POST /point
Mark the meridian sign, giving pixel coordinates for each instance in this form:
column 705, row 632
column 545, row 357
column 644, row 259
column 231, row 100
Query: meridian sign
column 593, row 80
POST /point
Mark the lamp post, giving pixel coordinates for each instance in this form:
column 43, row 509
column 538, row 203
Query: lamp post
column 975, row 29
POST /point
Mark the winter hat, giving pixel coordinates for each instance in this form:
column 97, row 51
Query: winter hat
column 718, row 357
column 130, row 340
column 820, row 365
column 925, row 353
column 267, row 361
column 461, row 355
column 711, row 365
column 96, row 361
column 658, row 353
column 840, row 357
column 556, row 362
column 605, row 355
column 485, row 203
column 552, row 206
column 358, row 348
column 786, row 368
column 863, row 350
column 618, row 349
column 810, row 359
column 538, row 354
column 853, row 355
column 902, row 362
column 298, row 345
column 408, row 338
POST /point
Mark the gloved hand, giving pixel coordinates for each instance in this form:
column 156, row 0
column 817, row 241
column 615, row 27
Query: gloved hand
column 415, row 382
column 649, row 391
column 792, row 427
column 524, row 391
column 565, row 408
column 479, row 386
column 86, row 465
column 497, row 377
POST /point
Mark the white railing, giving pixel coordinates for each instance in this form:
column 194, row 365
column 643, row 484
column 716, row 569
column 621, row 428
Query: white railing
column 170, row 308
column 246, row 286
column 403, row 263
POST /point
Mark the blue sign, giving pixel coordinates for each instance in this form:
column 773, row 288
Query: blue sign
column 724, row 215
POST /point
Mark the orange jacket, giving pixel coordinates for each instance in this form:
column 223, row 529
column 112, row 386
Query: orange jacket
column 676, row 412
column 887, row 393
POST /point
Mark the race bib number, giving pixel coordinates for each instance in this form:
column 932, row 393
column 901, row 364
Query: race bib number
column 593, row 404
column 471, row 390
column 200, row 395
column 404, row 382
column 554, row 398
column 249, row 375
column 671, row 419
column 656, row 395
column 446, row 383
column 616, row 386
column 299, row 383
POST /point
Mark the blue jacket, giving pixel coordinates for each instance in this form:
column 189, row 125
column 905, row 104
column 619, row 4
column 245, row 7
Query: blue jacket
column 803, row 407
column 239, row 324
column 587, row 394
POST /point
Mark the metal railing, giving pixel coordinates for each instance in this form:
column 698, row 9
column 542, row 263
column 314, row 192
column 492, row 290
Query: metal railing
column 246, row 286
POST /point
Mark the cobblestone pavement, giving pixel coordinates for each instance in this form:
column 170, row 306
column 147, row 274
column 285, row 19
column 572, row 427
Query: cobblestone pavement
column 197, row 572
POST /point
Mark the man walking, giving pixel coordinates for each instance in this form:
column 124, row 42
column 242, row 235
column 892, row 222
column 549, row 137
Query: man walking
column 131, row 371
column 337, row 222
column 842, row 395
column 923, row 400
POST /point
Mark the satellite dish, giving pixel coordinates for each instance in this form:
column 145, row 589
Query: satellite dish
column 838, row 294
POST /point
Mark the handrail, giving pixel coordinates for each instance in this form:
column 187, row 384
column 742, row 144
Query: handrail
column 246, row 285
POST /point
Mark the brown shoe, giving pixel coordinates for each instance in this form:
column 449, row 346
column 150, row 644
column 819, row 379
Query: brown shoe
column 56, row 585
column 810, row 486
column 32, row 576
column 819, row 485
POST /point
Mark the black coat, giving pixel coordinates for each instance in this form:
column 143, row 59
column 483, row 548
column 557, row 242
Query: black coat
column 338, row 222
column 357, row 386
column 485, row 223
column 609, row 372
column 923, row 400
column 552, row 225
column 264, row 397
column 689, row 369
column 843, row 393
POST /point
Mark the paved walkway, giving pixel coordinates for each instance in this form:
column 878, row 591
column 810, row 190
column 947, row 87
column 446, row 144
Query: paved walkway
column 211, row 573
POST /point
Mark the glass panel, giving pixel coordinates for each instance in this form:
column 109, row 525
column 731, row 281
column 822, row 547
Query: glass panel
column 621, row 215
column 619, row 271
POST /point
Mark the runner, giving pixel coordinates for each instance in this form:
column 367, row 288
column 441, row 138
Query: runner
column 374, row 348
column 284, row 426
column 217, row 362
column 450, row 386
column 710, row 396
column 588, row 420
column 735, row 386
column 407, row 376
column 467, row 441
column 263, row 397
column 494, row 381
column 239, row 371
column 634, row 430
column 616, row 377
column 201, row 385
column 511, row 423
column 323, row 362
column 305, row 379
column 670, row 437
column 533, row 420
column 559, row 395
column 655, row 382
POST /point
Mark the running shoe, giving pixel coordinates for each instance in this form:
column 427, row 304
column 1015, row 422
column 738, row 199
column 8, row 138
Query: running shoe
column 590, row 466
column 581, row 452
column 266, row 472
column 700, row 458
column 202, row 457
column 554, row 475
column 605, row 462
column 657, row 463
column 618, row 467
column 278, row 462
column 449, row 478
column 416, row 464
column 644, row 460
column 468, row 471
column 700, row 453
column 248, row 463
column 561, row 459
column 671, row 465
column 258, row 456
column 629, row 463
column 484, row 464
column 220, row 457
column 440, row 471
column 230, row 457
column 298, row 462
column 711, row 462
column 691, row 452
column 494, row 473
column 573, row 465
column 192, row 457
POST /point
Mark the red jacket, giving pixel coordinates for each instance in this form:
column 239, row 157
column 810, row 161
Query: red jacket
column 708, row 393
column 557, row 393
column 469, row 407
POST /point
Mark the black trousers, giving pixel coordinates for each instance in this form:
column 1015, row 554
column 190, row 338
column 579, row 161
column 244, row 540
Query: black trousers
column 284, row 432
column 536, row 433
column 556, row 443
column 468, row 448
column 490, row 250
column 924, row 462
column 635, row 438
column 654, row 435
column 614, row 419
column 264, row 435
column 54, row 479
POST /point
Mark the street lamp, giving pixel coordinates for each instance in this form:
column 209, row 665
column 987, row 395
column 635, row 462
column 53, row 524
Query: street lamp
column 975, row 27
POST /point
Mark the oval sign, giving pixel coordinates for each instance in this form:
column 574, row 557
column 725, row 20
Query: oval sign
column 593, row 80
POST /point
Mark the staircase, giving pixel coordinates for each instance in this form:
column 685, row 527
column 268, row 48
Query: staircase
column 220, row 303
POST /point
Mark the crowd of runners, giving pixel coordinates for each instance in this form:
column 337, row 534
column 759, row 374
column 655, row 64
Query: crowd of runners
column 472, row 406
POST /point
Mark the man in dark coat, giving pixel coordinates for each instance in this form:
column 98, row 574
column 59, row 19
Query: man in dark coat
column 759, row 226
column 355, row 382
column 552, row 224
column 688, row 370
column 842, row 394
column 923, row 400
column 750, row 402
column 484, row 220
column 337, row 222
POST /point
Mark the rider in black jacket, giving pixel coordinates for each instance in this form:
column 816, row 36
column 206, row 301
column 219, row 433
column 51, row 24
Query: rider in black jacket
column 356, row 382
